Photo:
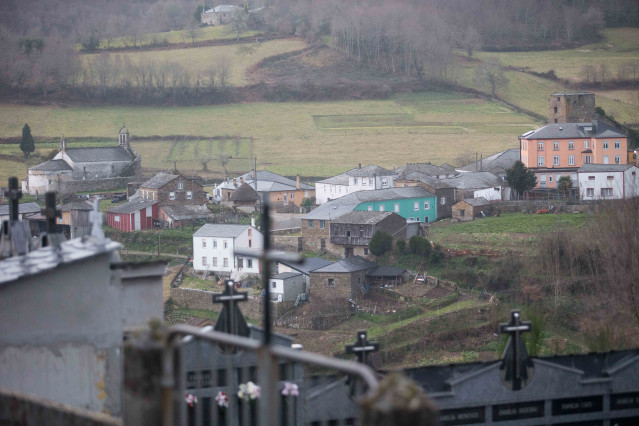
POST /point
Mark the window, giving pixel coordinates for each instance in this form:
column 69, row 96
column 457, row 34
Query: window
column 370, row 208
column 396, row 207
column 354, row 181
column 249, row 263
column 273, row 284
column 617, row 159
column 361, row 231
column 382, row 208
column 214, row 243
column 426, row 205
column 606, row 192
column 591, row 178
column 540, row 146
column 214, row 261
column 226, row 244
column 462, row 213
column 606, row 160
column 171, row 196
column 204, row 243
column 363, row 182
column 370, row 181
column 590, row 192
column 540, row 160
column 226, row 262
column 384, row 182
column 310, row 223
column 610, row 178
column 586, row 144
column 416, row 206
column 50, row 181
column 250, row 243
column 571, row 160
column 240, row 263
column 417, row 218
column 605, row 144
column 180, row 185
column 204, row 260
column 365, row 252
column 426, row 219
column 617, row 144
column 292, row 195
column 412, row 219
column 442, row 201
column 348, row 233
column 555, row 108
column 117, row 218
column 550, row 178
column 571, row 145
column 330, row 282
column 555, row 146
column 250, row 232
column 555, row 160
column 189, row 195
column 587, row 159
column 322, row 224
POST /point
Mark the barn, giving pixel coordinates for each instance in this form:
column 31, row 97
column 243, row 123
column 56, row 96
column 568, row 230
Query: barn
column 135, row 215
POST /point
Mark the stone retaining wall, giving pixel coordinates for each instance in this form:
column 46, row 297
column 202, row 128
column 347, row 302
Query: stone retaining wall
column 74, row 186
column 286, row 242
column 533, row 206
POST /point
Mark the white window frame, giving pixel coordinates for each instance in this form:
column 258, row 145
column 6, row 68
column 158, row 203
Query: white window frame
column 588, row 159
column 571, row 145
column 426, row 205
column 606, row 192
column 116, row 218
column 204, row 261
column 203, row 242
column 172, row 196
column 571, row 160
column 590, row 192
column 586, row 143
column 555, row 146
column 617, row 159
column 189, row 195
column 540, row 160
column 226, row 262
column 214, row 259
column 416, row 206
column 555, row 160
column 396, row 208
column 540, row 146
column 605, row 145
column 180, row 185
column 442, row 200
column 617, row 144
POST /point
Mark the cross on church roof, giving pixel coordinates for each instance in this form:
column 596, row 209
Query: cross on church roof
column 515, row 360
column 361, row 347
column 14, row 195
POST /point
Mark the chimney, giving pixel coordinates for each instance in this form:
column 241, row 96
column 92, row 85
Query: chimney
column 63, row 144
column 297, row 182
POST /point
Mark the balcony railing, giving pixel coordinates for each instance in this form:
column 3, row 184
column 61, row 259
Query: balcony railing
column 351, row 241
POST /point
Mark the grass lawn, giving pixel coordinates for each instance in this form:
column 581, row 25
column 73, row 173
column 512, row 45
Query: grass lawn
column 198, row 60
column 287, row 138
column 221, row 32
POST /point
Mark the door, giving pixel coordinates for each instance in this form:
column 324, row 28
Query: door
column 323, row 243
column 136, row 221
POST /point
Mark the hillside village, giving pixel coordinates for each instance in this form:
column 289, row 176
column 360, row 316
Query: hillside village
column 303, row 214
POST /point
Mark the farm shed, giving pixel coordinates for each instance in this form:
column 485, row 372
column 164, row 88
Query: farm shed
column 469, row 208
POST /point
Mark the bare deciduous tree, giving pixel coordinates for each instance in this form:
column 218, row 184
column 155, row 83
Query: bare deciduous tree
column 490, row 73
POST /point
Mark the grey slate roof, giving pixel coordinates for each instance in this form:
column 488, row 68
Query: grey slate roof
column 351, row 264
column 425, row 168
column 132, row 206
column 370, row 171
column 476, row 202
column 98, row 154
column 220, row 230
column 286, row 275
column 574, row 131
column 427, row 179
column 496, row 163
column 159, row 180
column 386, row 271
column 186, row 211
column 52, row 166
column 266, row 182
column 604, row 168
column 308, row 264
column 23, row 208
column 346, row 204
column 363, row 217
column 474, row 180
column 49, row 258
column 77, row 205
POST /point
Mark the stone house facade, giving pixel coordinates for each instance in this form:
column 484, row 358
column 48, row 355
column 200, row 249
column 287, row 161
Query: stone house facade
column 468, row 209
column 576, row 107
column 354, row 231
column 317, row 236
column 340, row 281
column 173, row 189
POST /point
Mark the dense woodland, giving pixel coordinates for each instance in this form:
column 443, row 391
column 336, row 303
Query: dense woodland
column 41, row 40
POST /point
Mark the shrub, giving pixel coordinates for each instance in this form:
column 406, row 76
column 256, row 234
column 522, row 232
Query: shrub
column 419, row 245
column 401, row 246
column 380, row 243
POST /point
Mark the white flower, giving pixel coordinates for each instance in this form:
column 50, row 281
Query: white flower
column 222, row 399
column 290, row 389
column 190, row 399
column 249, row 391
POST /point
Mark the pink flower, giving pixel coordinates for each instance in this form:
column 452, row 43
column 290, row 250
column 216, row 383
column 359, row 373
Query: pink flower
column 290, row 389
column 190, row 399
column 222, row 399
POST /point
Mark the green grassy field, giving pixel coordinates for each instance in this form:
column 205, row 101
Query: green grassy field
column 287, row 138
column 222, row 32
column 198, row 60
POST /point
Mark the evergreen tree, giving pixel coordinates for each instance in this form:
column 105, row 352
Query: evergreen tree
column 520, row 178
column 380, row 243
column 27, row 145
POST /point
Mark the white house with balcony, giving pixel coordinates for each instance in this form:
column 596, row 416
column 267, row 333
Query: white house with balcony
column 608, row 181
column 365, row 178
column 214, row 248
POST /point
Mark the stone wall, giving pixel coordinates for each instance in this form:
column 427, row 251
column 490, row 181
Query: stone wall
column 286, row 242
column 312, row 238
column 320, row 290
column 252, row 309
column 533, row 206
column 75, row 186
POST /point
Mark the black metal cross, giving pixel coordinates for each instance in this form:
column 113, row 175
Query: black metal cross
column 229, row 298
column 51, row 213
column 14, row 195
column 361, row 347
column 515, row 349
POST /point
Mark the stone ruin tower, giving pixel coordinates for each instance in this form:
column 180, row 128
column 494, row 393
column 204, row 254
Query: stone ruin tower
column 576, row 107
